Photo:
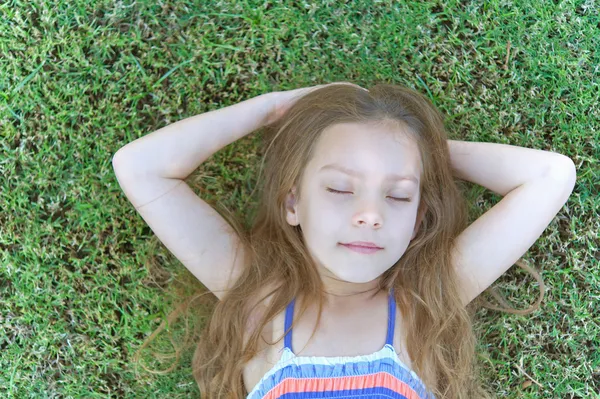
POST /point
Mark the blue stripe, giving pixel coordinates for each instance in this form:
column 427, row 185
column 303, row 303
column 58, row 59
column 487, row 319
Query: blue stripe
column 353, row 393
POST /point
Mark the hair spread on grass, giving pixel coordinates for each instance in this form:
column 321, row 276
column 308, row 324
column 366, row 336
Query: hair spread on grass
column 439, row 332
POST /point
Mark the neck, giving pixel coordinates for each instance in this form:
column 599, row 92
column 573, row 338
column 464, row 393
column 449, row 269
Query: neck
column 351, row 298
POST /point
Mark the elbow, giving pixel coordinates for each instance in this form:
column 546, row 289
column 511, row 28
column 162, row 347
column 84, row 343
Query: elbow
column 121, row 161
column 563, row 171
column 564, row 167
column 117, row 159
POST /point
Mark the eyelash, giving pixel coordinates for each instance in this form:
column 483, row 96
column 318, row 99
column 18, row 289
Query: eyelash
column 331, row 190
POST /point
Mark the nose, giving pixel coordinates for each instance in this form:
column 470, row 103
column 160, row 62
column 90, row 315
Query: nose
column 368, row 215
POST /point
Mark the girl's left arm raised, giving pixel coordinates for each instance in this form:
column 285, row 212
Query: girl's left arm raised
column 535, row 185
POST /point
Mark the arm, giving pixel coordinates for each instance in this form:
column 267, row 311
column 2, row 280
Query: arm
column 151, row 169
column 535, row 185
column 175, row 151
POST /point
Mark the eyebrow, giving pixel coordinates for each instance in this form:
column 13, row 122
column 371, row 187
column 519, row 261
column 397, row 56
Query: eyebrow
column 355, row 173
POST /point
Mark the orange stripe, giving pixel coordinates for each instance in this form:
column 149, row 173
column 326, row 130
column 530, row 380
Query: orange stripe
column 329, row 384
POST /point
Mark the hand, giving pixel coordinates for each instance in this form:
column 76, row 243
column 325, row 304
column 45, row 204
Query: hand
column 281, row 101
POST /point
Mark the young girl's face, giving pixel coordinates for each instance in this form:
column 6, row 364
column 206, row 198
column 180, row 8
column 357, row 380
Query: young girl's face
column 377, row 201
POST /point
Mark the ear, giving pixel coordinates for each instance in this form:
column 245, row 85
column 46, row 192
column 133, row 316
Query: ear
column 291, row 208
column 421, row 213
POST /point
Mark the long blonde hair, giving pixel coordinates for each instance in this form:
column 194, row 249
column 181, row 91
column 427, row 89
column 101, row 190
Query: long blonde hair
column 439, row 335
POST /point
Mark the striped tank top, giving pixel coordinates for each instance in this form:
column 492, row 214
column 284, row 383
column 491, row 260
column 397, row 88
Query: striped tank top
column 378, row 375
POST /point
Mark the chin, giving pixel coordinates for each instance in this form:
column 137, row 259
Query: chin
column 355, row 277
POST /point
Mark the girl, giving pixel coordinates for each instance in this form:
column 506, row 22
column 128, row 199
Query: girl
column 355, row 276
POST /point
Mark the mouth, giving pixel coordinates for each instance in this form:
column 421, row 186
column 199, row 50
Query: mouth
column 362, row 247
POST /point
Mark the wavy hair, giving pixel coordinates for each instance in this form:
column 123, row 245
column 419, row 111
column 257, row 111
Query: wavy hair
column 439, row 333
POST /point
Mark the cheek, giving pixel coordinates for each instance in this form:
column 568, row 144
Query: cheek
column 401, row 223
column 320, row 218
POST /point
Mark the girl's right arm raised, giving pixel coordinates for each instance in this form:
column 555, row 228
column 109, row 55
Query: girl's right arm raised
column 151, row 172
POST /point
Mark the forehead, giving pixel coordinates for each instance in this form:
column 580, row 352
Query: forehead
column 368, row 147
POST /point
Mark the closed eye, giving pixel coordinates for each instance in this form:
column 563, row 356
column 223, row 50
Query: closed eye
column 331, row 190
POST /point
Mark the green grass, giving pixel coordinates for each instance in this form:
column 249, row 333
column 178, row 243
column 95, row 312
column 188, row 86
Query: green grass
column 80, row 79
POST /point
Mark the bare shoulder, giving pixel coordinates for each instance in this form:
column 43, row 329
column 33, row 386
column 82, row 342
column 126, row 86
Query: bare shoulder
column 262, row 361
column 258, row 307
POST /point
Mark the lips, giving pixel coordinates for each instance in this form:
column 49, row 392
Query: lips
column 362, row 244
column 362, row 247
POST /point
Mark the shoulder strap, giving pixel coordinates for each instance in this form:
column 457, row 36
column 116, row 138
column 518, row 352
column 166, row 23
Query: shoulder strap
column 391, row 318
column 289, row 316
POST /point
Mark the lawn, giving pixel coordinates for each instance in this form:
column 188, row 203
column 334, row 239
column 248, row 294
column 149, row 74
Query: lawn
column 83, row 280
